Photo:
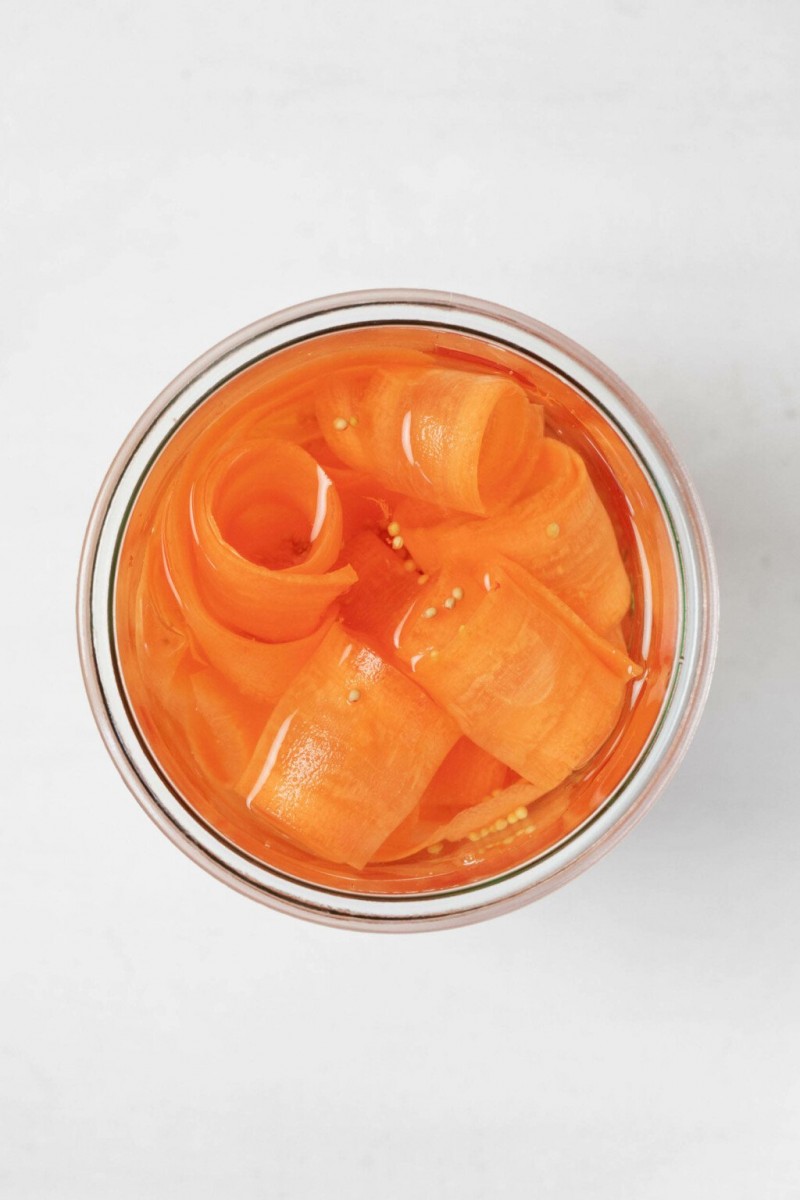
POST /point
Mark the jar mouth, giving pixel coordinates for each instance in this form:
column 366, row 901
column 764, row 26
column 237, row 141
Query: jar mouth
column 671, row 731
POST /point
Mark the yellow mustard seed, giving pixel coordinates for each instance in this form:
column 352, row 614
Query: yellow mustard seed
column 340, row 423
column 353, row 696
column 393, row 528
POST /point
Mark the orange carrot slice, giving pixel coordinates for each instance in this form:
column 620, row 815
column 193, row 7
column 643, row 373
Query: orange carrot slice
column 496, row 814
column 348, row 720
column 221, row 726
column 266, row 524
column 466, row 776
column 203, row 711
column 376, row 605
column 547, row 700
column 366, row 504
column 518, row 810
column 160, row 632
column 558, row 530
column 259, row 669
column 463, row 440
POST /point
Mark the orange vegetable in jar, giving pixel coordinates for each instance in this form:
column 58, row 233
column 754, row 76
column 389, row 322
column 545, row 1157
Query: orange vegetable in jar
column 465, row 441
column 348, row 718
column 374, row 614
column 519, row 671
column 557, row 529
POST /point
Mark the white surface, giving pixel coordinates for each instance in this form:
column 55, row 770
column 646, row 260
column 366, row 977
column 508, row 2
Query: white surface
column 627, row 172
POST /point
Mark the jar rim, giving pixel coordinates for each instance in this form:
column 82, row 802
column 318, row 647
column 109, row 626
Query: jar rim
column 671, row 733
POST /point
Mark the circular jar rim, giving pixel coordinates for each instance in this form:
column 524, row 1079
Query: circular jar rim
column 666, row 743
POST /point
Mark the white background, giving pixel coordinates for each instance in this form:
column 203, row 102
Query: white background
column 625, row 171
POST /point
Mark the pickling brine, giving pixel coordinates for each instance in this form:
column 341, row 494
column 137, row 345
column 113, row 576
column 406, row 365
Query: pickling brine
column 383, row 613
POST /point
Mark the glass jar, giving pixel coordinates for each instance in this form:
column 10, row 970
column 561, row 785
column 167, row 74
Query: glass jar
column 679, row 626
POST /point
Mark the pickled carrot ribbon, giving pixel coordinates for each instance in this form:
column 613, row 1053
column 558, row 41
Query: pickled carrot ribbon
column 457, row 439
column 466, row 777
column 545, row 704
column 259, row 669
column 203, row 708
column 518, row 809
column 266, row 524
column 558, row 530
column 347, row 724
column 207, row 598
column 376, row 604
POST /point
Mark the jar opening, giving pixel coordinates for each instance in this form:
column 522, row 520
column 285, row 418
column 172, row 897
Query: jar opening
column 672, row 607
